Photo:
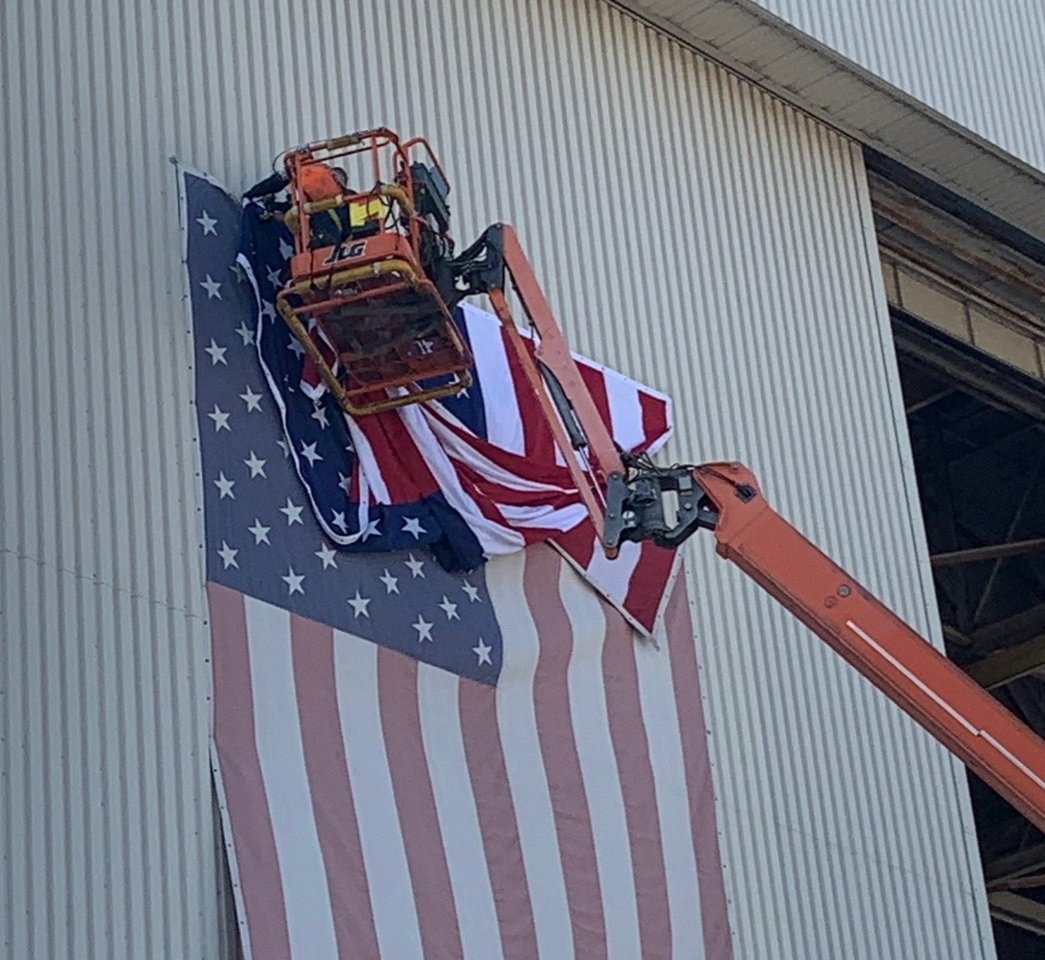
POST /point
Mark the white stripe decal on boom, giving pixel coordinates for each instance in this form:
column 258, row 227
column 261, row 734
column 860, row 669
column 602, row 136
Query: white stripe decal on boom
column 943, row 704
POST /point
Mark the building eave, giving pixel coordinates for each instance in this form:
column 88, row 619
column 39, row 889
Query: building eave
column 754, row 43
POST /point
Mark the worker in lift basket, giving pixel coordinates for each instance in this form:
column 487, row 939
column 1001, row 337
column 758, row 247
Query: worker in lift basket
column 318, row 181
column 321, row 181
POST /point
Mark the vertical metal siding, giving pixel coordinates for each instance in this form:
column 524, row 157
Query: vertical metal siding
column 978, row 63
column 691, row 230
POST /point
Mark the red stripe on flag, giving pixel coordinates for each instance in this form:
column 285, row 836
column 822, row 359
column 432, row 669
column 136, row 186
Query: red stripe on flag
column 510, row 496
column 497, row 823
column 628, row 733
column 718, row 942
column 645, row 589
column 579, row 543
column 487, row 505
column 312, row 646
column 241, row 777
column 538, row 439
column 559, row 751
column 654, row 418
column 415, row 803
column 403, row 467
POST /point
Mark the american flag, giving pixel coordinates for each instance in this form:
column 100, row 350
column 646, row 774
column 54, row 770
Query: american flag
column 414, row 762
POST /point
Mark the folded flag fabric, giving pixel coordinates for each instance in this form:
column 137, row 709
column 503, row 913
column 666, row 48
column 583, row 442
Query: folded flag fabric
column 470, row 477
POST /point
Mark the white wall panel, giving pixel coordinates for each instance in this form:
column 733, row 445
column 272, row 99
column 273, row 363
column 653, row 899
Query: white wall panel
column 691, row 230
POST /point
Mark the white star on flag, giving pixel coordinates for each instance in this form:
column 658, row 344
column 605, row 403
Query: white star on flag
column 225, row 485
column 228, row 556
column 339, row 521
column 423, row 628
column 268, row 310
column 391, row 583
column 343, row 482
column 417, row 567
column 275, row 276
column 208, row 223
column 220, row 418
column 285, row 249
column 308, row 451
column 252, row 400
column 359, row 605
column 319, row 414
column 295, row 347
column 327, row 553
column 216, row 353
column 261, row 533
column 293, row 581
column 482, row 651
column 372, row 529
column 449, row 608
column 413, row 526
column 257, row 466
column 292, row 512
column 473, row 592
column 245, row 334
column 212, row 287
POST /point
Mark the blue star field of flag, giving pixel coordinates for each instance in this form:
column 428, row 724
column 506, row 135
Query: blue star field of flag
column 262, row 537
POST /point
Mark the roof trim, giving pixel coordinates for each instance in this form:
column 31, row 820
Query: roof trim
column 759, row 46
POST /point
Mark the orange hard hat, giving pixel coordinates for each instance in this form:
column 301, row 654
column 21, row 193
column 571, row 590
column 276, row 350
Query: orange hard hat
column 318, row 182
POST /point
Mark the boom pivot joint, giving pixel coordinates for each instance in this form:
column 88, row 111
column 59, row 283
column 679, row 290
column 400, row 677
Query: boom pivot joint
column 663, row 504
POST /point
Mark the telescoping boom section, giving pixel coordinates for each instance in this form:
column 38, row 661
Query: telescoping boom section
column 374, row 280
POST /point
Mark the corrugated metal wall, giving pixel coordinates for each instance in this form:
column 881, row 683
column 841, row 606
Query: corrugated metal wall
column 978, row 63
column 691, row 230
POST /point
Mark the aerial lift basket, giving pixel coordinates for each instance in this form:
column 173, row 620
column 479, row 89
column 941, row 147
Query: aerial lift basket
column 368, row 290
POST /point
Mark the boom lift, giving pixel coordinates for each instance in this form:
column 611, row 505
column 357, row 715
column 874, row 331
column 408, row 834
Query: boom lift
column 381, row 294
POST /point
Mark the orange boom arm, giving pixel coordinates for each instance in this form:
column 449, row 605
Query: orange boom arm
column 963, row 716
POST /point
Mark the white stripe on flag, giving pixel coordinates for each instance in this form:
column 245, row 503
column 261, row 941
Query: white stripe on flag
column 527, row 779
column 380, row 833
column 591, row 730
column 622, row 396
column 659, row 714
column 613, row 577
column 458, row 818
column 368, row 466
column 563, row 518
column 310, row 922
column 504, row 426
